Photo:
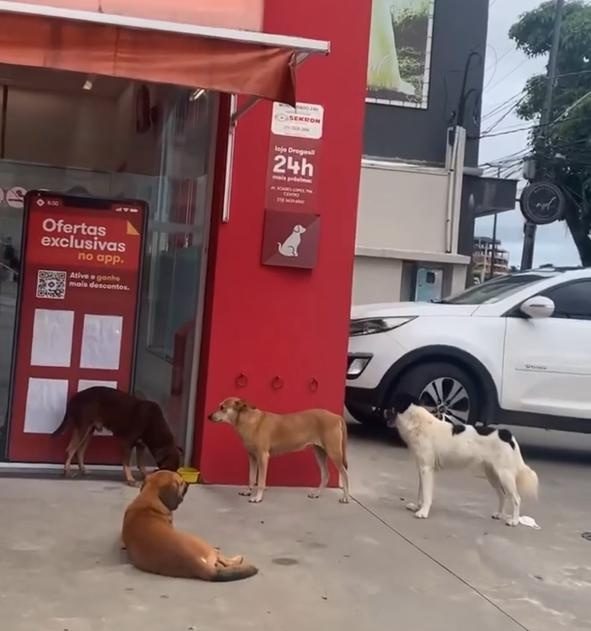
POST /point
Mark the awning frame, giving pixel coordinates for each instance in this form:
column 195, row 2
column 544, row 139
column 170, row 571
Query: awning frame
column 303, row 47
column 236, row 113
column 300, row 44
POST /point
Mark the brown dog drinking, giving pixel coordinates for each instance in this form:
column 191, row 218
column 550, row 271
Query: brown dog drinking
column 153, row 545
column 134, row 421
column 265, row 434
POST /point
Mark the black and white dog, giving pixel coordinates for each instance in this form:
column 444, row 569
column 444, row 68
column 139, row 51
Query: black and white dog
column 438, row 444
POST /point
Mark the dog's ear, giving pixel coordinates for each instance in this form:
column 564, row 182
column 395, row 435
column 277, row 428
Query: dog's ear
column 183, row 490
column 145, row 481
column 171, row 496
column 243, row 405
column 403, row 401
column 388, row 414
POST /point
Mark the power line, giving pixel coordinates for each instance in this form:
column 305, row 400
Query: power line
column 504, row 116
column 572, row 74
column 497, row 108
column 515, row 69
column 496, row 65
column 514, row 130
column 507, row 132
column 511, row 156
column 517, row 96
column 521, row 153
column 512, row 173
column 515, row 160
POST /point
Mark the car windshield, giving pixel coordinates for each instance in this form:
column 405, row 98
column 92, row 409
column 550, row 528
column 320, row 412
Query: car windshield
column 494, row 290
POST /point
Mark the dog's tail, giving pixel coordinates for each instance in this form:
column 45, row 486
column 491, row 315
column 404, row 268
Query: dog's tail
column 344, row 442
column 527, row 482
column 62, row 426
column 236, row 573
column 526, row 479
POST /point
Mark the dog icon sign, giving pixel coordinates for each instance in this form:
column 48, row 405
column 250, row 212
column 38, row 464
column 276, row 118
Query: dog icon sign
column 290, row 247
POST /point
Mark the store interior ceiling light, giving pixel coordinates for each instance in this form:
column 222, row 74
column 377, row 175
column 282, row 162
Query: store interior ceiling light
column 195, row 96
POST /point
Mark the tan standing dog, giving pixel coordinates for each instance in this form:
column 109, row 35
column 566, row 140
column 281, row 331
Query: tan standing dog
column 265, row 434
column 153, row 545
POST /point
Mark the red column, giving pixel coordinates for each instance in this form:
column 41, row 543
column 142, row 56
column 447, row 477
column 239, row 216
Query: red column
column 266, row 322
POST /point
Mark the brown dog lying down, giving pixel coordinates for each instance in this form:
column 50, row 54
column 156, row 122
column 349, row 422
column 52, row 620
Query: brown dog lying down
column 265, row 434
column 153, row 545
column 134, row 421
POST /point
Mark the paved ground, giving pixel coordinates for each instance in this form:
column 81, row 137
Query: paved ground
column 323, row 565
column 540, row 579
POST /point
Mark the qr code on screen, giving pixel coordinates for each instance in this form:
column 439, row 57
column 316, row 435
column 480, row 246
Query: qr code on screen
column 51, row 284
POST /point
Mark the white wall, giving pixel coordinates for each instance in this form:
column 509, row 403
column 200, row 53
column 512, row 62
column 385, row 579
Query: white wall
column 402, row 221
column 376, row 280
column 402, row 208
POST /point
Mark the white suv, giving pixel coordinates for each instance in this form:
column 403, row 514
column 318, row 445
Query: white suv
column 516, row 349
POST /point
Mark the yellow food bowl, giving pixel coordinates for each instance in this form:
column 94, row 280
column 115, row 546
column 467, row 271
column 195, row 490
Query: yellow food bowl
column 189, row 475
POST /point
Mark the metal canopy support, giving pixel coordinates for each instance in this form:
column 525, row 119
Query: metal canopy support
column 253, row 100
column 236, row 114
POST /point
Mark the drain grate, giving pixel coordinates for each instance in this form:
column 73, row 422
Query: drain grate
column 587, row 536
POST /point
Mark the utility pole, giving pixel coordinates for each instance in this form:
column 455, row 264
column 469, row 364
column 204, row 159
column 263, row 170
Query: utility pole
column 529, row 230
column 493, row 253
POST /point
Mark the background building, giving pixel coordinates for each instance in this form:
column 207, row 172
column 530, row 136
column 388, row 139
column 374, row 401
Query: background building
column 420, row 185
column 489, row 259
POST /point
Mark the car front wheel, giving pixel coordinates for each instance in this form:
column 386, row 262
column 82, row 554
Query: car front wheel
column 444, row 389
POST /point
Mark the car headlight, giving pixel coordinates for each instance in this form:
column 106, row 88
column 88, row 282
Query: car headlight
column 371, row 326
column 356, row 365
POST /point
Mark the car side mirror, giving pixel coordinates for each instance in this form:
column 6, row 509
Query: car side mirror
column 538, row 307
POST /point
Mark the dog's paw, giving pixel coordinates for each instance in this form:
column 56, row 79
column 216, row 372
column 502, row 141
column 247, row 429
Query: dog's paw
column 255, row 500
column 313, row 495
column 411, row 506
column 499, row 516
column 344, row 500
column 512, row 522
column 421, row 514
column 246, row 493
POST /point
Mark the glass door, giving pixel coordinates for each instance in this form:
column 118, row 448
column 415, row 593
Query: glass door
column 105, row 137
column 175, row 263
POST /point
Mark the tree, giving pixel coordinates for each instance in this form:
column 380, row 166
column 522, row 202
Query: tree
column 563, row 148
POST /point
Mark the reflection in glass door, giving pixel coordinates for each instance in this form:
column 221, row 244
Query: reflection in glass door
column 175, row 261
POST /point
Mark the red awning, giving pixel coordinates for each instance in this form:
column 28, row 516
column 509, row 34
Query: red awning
column 224, row 60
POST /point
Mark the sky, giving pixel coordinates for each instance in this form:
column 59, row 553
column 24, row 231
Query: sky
column 506, row 72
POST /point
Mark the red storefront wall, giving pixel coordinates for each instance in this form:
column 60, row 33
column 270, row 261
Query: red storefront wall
column 266, row 322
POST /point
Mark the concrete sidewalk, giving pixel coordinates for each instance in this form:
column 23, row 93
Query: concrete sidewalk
column 322, row 566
